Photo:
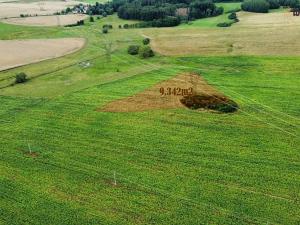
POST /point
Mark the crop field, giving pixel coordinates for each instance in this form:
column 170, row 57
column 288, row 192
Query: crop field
column 255, row 34
column 60, row 20
column 65, row 160
column 15, row 8
column 36, row 50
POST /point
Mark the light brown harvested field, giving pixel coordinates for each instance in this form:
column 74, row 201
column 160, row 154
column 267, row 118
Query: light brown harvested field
column 14, row 53
column 46, row 20
column 152, row 99
column 14, row 9
column 255, row 34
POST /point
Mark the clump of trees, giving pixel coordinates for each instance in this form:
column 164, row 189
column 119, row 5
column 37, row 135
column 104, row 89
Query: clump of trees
column 274, row 4
column 201, row 9
column 78, row 23
column 259, row 6
column 21, row 78
column 144, row 51
column 263, row 6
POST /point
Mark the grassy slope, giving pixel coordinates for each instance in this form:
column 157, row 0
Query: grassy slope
column 172, row 166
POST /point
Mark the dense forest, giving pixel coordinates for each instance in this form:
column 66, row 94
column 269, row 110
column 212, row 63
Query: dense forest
column 157, row 13
column 166, row 13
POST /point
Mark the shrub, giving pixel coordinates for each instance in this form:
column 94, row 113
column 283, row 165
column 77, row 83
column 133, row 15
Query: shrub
column 274, row 4
column 104, row 14
column 225, row 24
column 259, row 6
column 105, row 30
column 289, row 3
column 92, row 19
column 120, row 26
column 98, row 17
column 133, row 49
column 80, row 22
column 108, row 26
column 126, row 26
column 145, row 52
column 21, row 78
column 232, row 16
column 146, row 41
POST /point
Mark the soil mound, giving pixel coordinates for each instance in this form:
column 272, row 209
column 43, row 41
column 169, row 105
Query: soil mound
column 187, row 90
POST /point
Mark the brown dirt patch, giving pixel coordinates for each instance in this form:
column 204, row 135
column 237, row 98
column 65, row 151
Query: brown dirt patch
column 61, row 20
column 152, row 99
column 14, row 53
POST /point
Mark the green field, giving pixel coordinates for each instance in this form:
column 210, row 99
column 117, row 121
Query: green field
column 171, row 166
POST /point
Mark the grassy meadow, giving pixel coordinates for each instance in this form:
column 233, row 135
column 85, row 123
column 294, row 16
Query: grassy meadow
column 174, row 166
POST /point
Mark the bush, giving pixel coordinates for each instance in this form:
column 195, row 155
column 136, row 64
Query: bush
column 133, row 49
column 120, row 26
column 92, row 19
column 232, row 16
column 105, row 30
column 146, row 41
column 146, row 52
column 21, row 78
column 259, row 6
column 108, row 26
column 98, row 17
column 126, row 26
column 274, row 4
column 80, row 22
column 225, row 24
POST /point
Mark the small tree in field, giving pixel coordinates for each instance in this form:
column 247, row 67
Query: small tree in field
column 21, row 78
column 133, row 49
column 146, row 41
column 105, row 30
column 146, row 52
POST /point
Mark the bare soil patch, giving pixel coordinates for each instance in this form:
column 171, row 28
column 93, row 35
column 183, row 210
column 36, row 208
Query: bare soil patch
column 61, row 20
column 14, row 9
column 14, row 53
column 202, row 97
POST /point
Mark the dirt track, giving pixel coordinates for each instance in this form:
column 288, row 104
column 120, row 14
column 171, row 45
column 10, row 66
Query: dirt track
column 46, row 20
column 21, row 52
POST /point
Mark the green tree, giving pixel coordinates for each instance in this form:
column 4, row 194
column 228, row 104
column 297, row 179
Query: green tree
column 21, row 78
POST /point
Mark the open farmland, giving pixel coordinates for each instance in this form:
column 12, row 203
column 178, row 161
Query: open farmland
column 22, row 52
column 64, row 161
column 255, row 34
column 15, row 9
column 60, row 20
